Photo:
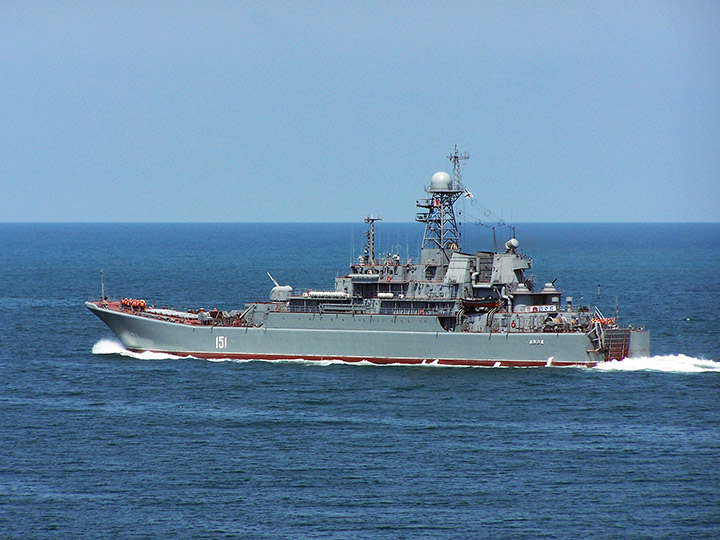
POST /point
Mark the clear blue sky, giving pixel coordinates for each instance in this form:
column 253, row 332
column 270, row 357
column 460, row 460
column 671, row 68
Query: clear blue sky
column 327, row 111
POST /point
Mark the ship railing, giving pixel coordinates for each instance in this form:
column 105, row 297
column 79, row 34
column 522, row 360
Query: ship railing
column 416, row 311
column 302, row 309
column 340, row 308
column 327, row 308
column 361, row 309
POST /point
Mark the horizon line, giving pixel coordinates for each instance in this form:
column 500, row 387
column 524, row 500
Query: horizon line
column 346, row 222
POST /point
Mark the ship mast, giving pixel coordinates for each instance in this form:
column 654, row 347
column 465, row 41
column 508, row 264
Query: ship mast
column 455, row 157
column 442, row 235
column 369, row 254
column 103, row 298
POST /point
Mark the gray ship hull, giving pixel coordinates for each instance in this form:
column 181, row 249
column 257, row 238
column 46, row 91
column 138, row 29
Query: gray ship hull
column 380, row 339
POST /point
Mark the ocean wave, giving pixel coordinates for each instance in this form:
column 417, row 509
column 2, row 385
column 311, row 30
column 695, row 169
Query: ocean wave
column 678, row 363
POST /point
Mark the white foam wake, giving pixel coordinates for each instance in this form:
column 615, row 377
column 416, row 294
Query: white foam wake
column 111, row 346
column 678, row 363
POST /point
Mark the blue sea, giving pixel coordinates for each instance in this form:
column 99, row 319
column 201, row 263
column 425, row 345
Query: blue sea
column 97, row 443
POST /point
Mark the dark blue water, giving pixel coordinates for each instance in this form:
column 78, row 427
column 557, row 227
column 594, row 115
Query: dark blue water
column 120, row 446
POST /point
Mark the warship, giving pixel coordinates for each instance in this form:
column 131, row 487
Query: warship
column 450, row 307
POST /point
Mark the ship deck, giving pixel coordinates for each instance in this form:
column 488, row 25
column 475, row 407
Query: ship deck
column 189, row 318
column 223, row 319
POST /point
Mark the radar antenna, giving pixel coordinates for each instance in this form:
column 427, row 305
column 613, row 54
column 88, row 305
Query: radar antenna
column 442, row 235
column 455, row 158
column 369, row 255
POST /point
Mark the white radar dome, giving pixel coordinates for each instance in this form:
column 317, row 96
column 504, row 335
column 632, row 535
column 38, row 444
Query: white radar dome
column 440, row 181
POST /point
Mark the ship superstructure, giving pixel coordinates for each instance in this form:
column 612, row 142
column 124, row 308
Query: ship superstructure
column 450, row 307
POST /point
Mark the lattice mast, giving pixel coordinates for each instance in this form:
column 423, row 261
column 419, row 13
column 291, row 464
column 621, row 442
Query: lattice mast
column 442, row 235
column 455, row 157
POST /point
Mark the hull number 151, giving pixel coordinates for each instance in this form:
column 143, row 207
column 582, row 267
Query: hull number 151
column 221, row 342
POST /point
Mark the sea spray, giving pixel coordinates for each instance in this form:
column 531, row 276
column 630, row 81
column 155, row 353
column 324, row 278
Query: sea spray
column 678, row 363
column 111, row 346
